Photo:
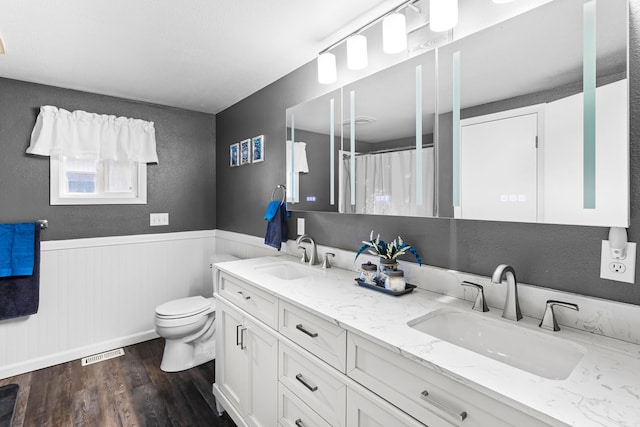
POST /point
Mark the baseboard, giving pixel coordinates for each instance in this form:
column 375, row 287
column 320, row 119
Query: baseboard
column 74, row 354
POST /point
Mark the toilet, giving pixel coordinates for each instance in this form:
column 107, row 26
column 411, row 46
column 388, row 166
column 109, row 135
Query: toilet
column 188, row 327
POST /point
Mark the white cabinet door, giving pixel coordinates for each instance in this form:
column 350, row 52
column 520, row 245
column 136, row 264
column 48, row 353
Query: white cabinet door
column 232, row 375
column 247, row 369
column 368, row 410
column 262, row 349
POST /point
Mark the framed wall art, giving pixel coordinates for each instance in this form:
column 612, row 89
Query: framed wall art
column 234, row 154
column 245, row 152
column 257, row 148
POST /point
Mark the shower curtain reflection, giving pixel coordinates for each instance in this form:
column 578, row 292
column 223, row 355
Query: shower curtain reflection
column 386, row 185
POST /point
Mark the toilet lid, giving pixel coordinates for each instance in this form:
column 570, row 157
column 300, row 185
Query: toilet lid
column 183, row 307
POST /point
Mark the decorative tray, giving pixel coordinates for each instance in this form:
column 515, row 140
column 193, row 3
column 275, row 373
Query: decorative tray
column 379, row 286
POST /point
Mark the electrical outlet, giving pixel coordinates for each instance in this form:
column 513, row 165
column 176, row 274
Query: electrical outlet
column 620, row 270
column 617, row 267
column 156, row 219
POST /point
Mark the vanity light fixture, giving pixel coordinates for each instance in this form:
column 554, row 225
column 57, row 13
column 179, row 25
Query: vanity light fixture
column 394, row 33
column 357, row 52
column 357, row 56
column 443, row 14
column 327, row 68
column 502, row 1
column 2, row 49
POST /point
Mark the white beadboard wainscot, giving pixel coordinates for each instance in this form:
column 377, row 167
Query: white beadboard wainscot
column 100, row 293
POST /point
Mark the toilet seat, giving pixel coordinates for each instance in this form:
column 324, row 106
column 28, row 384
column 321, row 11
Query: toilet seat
column 183, row 307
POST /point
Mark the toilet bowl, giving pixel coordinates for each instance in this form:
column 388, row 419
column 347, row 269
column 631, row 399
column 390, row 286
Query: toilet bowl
column 188, row 326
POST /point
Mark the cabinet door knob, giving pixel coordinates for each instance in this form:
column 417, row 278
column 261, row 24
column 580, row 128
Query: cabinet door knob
column 301, row 328
column 457, row 416
column 242, row 343
column 304, row 382
column 299, row 422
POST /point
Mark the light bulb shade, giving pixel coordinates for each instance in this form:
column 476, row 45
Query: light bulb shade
column 327, row 68
column 502, row 1
column 357, row 52
column 443, row 14
column 394, row 33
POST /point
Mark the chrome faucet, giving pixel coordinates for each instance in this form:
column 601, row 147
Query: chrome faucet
column 511, row 304
column 313, row 257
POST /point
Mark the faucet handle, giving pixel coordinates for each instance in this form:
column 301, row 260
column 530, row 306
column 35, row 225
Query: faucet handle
column 549, row 319
column 480, row 303
column 327, row 262
column 305, row 257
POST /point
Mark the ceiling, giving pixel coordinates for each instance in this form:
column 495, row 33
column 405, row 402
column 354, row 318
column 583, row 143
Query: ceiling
column 202, row 55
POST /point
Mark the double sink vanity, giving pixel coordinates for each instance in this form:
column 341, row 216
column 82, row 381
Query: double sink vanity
column 300, row 345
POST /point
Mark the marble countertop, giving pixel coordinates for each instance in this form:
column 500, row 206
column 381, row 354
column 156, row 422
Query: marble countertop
column 603, row 390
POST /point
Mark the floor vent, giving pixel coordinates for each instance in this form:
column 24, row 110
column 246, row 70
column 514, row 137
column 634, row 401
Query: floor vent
column 102, row 356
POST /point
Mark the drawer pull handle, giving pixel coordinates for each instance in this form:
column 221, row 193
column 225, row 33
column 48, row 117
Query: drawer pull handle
column 301, row 328
column 238, row 334
column 304, row 382
column 461, row 416
column 242, row 343
column 299, row 422
column 242, row 295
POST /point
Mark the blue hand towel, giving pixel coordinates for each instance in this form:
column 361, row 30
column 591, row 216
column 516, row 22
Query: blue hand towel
column 6, row 247
column 22, row 255
column 272, row 210
column 277, row 228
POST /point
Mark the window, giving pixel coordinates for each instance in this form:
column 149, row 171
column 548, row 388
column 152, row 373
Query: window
column 97, row 182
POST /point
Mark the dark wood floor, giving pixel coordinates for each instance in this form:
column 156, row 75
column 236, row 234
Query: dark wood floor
column 126, row 391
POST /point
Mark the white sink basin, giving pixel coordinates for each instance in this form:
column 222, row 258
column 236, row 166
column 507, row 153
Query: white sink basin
column 288, row 270
column 537, row 353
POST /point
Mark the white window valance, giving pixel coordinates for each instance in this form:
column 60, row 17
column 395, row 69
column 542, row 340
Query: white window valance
column 85, row 135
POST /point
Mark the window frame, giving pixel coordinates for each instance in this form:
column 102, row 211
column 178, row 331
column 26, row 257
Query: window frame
column 59, row 198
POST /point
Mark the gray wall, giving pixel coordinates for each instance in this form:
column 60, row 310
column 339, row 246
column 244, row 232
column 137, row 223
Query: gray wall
column 556, row 256
column 182, row 183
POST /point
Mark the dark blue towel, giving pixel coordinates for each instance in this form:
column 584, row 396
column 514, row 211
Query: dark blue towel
column 6, row 246
column 277, row 228
column 20, row 296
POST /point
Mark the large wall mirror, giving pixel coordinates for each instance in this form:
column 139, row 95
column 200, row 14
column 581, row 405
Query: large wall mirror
column 523, row 121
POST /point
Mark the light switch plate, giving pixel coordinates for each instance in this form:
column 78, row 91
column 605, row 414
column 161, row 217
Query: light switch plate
column 156, row 219
column 620, row 270
column 300, row 226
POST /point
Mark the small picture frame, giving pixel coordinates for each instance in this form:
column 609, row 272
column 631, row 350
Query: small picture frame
column 257, row 148
column 245, row 152
column 234, row 155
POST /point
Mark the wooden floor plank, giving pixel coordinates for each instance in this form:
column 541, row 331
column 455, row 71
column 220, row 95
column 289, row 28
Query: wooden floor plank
column 126, row 391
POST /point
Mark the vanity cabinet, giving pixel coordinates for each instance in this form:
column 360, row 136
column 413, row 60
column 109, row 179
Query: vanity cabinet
column 247, row 366
column 308, row 371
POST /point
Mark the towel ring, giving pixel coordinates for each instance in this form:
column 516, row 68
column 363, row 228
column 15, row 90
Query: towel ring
column 284, row 192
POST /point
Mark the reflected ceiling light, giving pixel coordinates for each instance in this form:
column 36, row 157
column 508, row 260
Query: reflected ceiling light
column 327, row 72
column 443, row 14
column 2, row 49
column 357, row 52
column 394, row 33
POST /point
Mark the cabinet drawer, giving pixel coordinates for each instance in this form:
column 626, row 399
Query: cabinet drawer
column 364, row 409
column 312, row 382
column 256, row 302
column 292, row 412
column 319, row 336
column 426, row 395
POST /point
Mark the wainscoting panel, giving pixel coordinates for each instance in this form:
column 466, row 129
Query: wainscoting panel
column 98, row 294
